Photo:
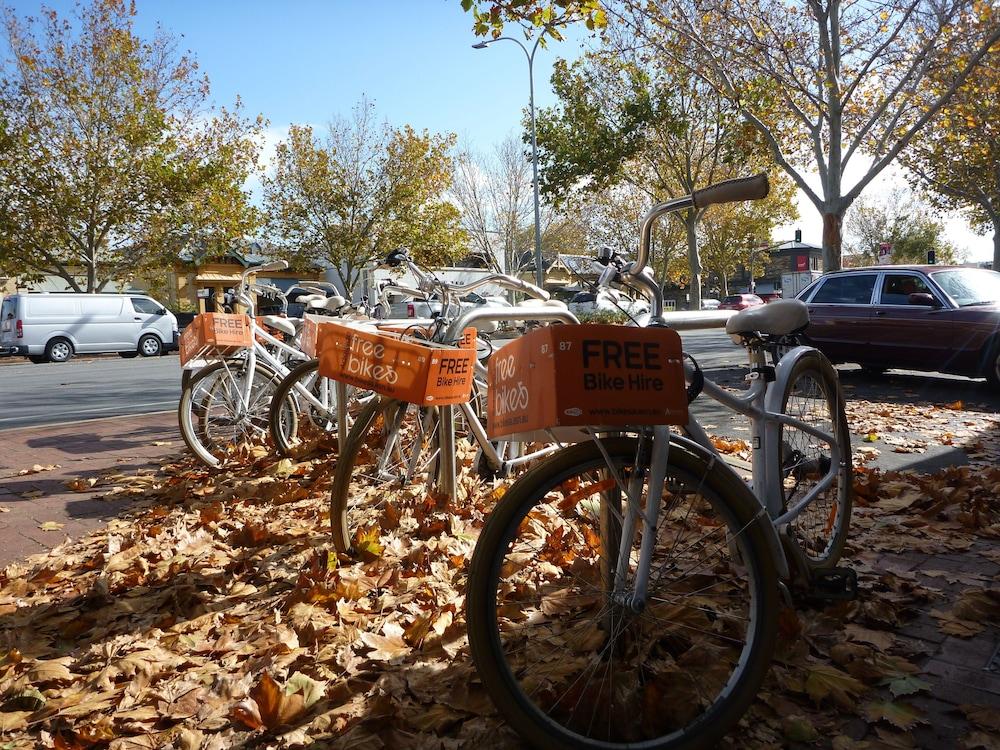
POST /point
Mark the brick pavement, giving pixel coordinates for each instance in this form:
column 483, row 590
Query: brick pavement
column 81, row 450
column 959, row 670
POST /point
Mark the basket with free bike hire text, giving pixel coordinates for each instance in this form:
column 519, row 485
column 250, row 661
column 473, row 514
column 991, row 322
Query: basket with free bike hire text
column 214, row 335
column 397, row 366
column 554, row 380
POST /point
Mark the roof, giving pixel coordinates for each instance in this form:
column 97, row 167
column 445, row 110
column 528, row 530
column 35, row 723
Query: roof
column 907, row 267
column 789, row 247
column 580, row 265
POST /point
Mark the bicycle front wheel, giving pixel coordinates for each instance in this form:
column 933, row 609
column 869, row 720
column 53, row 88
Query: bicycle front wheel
column 303, row 410
column 390, row 445
column 224, row 407
column 567, row 660
column 813, row 395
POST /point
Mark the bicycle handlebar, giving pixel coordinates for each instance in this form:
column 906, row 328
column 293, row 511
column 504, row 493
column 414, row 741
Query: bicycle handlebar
column 503, row 280
column 732, row 191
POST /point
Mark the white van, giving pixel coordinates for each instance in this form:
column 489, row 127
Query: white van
column 52, row 327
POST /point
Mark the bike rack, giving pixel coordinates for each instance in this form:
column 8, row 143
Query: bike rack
column 448, row 479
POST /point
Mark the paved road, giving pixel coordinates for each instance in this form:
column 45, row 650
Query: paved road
column 109, row 386
column 32, row 395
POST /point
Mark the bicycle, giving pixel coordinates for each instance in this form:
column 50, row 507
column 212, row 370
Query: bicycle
column 407, row 441
column 624, row 591
column 226, row 403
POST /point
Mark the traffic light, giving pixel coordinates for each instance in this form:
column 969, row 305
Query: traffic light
column 931, row 257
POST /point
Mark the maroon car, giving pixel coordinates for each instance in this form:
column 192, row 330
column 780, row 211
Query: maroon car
column 740, row 302
column 933, row 318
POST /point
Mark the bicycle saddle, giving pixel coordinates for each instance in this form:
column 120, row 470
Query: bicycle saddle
column 309, row 299
column 555, row 303
column 284, row 325
column 779, row 318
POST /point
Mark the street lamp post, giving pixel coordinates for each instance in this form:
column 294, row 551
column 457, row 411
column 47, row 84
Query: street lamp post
column 539, row 279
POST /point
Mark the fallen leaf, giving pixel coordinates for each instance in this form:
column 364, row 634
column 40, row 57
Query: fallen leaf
column 900, row 715
column 826, row 681
column 50, row 525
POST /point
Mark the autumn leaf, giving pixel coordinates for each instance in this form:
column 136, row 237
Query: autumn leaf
column 798, row 729
column 311, row 690
column 80, row 484
column 385, row 647
column 900, row 715
column 366, row 543
column 275, row 707
column 906, row 685
column 50, row 525
column 826, row 681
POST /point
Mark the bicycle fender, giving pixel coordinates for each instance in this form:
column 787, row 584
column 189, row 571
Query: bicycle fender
column 771, row 533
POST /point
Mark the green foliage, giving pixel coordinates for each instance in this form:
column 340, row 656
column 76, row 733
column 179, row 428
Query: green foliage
column 363, row 190
column 110, row 157
column 616, row 317
column 902, row 220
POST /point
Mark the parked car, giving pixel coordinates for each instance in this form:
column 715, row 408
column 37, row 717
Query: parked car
column 740, row 302
column 708, row 303
column 769, row 296
column 52, row 327
column 930, row 318
column 607, row 300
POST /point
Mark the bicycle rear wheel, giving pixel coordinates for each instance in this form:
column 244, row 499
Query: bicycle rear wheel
column 813, row 395
column 568, row 663
column 214, row 418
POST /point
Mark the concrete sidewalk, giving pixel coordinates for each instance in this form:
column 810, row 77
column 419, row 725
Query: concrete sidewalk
column 81, row 450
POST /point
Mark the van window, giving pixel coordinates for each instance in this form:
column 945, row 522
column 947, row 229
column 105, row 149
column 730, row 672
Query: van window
column 9, row 308
column 50, row 306
column 146, row 306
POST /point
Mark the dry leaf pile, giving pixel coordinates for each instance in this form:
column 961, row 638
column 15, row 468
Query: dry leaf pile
column 217, row 616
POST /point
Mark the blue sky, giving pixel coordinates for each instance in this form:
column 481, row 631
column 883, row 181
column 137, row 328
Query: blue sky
column 306, row 61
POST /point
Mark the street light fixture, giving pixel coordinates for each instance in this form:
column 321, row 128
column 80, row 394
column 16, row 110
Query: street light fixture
column 534, row 143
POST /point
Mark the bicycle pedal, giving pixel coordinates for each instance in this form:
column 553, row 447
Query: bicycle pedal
column 835, row 584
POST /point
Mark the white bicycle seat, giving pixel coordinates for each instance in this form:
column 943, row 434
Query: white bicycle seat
column 285, row 325
column 778, row 318
column 310, row 300
column 554, row 303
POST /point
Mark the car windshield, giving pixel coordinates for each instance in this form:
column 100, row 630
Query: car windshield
column 733, row 300
column 970, row 286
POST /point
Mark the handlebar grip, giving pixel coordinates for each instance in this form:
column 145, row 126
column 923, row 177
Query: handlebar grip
column 732, row 191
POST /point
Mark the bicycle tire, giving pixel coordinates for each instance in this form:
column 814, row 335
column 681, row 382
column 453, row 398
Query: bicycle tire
column 196, row 400
column 377, row 421
column 813, row 394
column 286, row 413
column 493, row 575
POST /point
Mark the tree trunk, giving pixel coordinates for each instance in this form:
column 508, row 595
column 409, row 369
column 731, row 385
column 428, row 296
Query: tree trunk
column 725, row 285
column 694, row 260
column 832, row 240
column 996, row 244
column 92, row 274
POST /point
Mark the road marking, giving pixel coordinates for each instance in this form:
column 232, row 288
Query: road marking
column 86, row 411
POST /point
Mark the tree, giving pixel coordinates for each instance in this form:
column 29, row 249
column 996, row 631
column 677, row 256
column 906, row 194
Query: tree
column 957, row 156
column 110, row 158
column 824, row 82
column 732, row 232
column 494, row 195
column 364, row 189
column 901, row 220
column 628, row 120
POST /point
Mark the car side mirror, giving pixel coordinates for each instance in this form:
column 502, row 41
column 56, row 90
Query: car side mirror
column 162, row 311
column 923, row 299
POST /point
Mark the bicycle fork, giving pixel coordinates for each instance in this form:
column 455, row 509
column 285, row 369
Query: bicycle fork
column 635, row 599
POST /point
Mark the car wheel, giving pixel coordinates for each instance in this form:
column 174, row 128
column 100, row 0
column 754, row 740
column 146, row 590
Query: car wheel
column 128, row 355
column 38, row 359
column 59, row 350
column 150, row 346
column 993, row 371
